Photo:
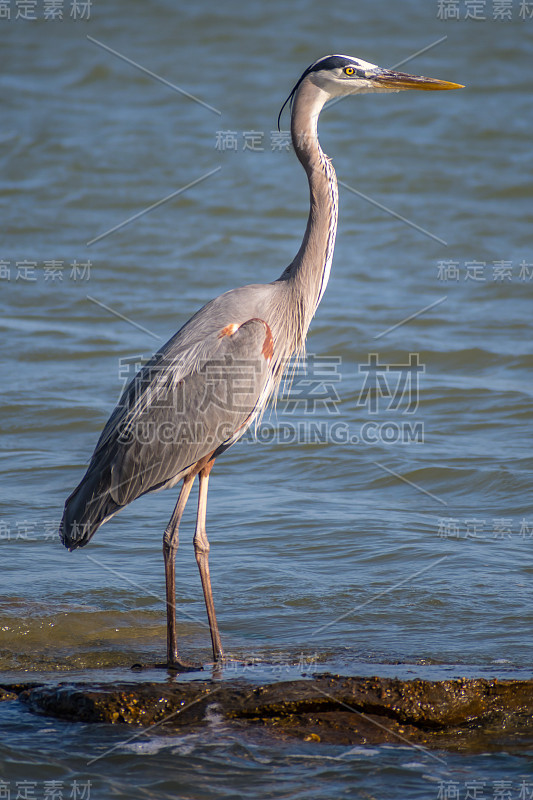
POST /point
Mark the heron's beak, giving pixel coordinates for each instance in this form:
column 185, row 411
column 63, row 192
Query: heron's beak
column 389, row 79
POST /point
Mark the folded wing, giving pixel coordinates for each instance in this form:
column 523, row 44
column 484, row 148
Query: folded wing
column 191, row 400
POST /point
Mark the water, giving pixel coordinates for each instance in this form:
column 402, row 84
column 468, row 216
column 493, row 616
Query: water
column 390, row 543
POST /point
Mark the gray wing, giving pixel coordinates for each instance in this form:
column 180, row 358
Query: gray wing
column 180, row 418
column 194, row 398
column 193, row 345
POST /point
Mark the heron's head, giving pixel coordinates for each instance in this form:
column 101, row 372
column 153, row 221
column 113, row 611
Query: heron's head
column 339, row 75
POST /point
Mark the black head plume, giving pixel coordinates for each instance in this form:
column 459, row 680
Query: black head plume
column 324, row 63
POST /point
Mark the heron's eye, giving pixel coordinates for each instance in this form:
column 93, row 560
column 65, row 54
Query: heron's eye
column 349, row 70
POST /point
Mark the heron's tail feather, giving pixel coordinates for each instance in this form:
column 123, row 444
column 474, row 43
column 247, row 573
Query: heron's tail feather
column 88, row 507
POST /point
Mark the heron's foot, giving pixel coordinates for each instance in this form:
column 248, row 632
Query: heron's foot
column 177, row 665
column 217, row 665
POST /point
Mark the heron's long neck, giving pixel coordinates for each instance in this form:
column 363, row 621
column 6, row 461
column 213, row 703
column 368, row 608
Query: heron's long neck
column 309, row 272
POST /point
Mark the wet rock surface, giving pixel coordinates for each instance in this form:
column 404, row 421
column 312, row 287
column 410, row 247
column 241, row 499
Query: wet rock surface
column 473, row 714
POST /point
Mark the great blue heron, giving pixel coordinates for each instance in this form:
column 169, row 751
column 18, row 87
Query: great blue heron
column 202, row 390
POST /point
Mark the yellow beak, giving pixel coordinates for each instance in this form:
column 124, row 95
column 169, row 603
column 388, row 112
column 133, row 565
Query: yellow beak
column 402, row 80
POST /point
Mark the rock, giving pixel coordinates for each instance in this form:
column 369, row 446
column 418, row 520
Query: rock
column 13, row 690
column 456, row 714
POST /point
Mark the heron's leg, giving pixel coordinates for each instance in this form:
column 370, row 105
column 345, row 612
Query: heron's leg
column 201, row 551
column 170, row 546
